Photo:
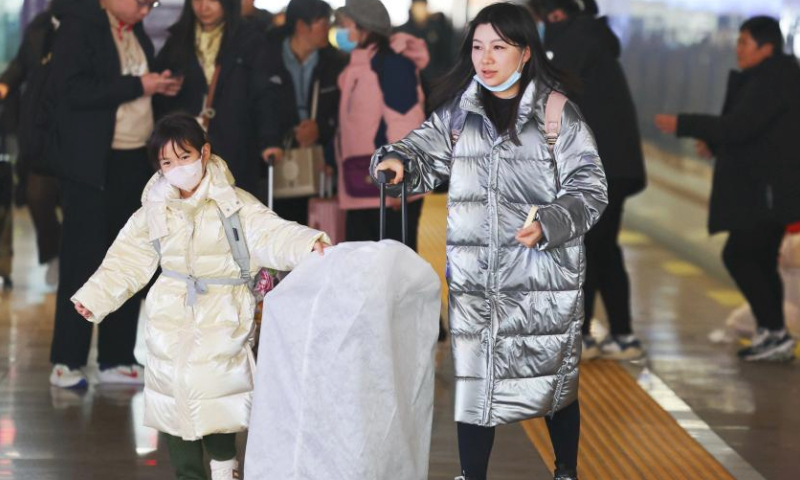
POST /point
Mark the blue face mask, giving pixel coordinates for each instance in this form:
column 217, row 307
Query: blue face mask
column 343, row 40
column 514, row 78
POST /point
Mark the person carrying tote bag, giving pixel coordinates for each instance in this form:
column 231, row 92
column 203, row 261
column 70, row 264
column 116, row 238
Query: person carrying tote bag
column 296, row 173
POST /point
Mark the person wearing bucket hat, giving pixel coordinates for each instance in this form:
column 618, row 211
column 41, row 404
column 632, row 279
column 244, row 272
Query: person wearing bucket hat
column 386, row 67
column 370, row 15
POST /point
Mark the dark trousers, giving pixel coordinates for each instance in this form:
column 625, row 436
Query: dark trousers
column 92, row 220
column 475, row 442
column 187, row 456
column 751, row 257
column 43, row 200
column 605, row 265
column 6, row 208
column 364, row 225
column 6, row 219
column 292, row 209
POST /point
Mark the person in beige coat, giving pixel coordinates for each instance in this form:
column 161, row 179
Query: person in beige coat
column 199, row 333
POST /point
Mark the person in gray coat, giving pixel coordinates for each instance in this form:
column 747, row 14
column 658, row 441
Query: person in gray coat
column 516, row 304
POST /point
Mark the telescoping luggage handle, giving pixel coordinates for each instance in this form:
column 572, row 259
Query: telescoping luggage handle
column 270, row 179
column 384, row 177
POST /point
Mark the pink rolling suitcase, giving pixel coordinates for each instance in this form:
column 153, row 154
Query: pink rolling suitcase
column 324, row 213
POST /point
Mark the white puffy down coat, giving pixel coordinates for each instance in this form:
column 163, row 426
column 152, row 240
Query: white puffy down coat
column 199, row 372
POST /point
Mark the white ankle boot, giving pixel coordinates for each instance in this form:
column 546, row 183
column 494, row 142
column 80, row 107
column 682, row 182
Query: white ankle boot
column 227, row 470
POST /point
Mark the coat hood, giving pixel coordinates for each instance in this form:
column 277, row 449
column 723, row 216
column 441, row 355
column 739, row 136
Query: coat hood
column 217, row 185
column 531, row 107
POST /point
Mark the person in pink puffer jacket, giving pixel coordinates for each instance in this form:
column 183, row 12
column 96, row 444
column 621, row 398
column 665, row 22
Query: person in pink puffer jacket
column 382, row 101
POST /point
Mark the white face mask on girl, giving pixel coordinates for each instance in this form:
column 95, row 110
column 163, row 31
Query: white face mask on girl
column 186, row 177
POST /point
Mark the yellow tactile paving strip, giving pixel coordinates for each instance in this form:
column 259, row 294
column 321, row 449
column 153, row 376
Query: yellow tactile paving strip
column 625, row 434
column 432, row 235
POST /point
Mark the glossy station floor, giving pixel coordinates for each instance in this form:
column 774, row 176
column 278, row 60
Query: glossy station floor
column 736, row 420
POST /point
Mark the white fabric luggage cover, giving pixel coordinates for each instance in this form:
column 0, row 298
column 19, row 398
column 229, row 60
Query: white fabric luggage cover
column 344, row 385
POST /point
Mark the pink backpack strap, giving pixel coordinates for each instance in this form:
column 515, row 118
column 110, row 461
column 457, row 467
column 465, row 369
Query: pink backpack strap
column 552, row 118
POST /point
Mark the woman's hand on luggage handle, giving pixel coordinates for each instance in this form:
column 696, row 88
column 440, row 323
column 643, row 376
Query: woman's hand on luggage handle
column 275, row 152
column 530, row 235
column 667, row 123
column 85, row 312
column 394, row 165
column 320, row 247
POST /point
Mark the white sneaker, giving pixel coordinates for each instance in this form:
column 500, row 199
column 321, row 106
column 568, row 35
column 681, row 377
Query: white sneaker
column 64, row 377
column 51, row 275
column 227, row 470
column 123, row 374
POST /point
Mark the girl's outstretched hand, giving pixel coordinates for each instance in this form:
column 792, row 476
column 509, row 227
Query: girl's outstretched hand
column 320, row 247
column 85, row 312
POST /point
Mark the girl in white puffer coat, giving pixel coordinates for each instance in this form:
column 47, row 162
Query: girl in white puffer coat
column 199, row 372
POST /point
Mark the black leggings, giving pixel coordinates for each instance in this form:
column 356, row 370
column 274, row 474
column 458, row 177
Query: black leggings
column 475, row 442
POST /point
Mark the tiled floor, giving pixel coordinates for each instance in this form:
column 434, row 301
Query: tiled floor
column 51, row 434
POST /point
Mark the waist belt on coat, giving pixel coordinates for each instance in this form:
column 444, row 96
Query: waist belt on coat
column 241, row 255
column 199, row 286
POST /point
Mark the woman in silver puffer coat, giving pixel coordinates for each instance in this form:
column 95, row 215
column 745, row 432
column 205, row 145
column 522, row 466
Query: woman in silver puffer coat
column 516, row 305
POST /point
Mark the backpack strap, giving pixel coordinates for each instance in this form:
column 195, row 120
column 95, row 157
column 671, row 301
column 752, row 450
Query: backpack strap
column 552, row 118
column 235, row 234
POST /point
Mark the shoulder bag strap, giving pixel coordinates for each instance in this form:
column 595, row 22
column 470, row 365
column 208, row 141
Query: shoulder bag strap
column 208, row 109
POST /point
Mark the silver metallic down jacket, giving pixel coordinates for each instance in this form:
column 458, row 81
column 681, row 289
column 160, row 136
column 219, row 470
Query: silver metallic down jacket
column 515, row 313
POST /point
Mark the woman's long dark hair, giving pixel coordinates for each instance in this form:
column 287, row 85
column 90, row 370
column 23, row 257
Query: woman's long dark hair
column 516, row 26
column 181, row 45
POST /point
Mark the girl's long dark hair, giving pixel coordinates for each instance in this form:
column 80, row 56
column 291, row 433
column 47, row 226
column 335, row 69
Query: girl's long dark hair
column 516, row 26
column 180, row 48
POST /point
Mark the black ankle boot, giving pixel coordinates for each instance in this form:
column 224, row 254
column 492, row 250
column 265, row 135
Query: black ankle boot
column 563, row 473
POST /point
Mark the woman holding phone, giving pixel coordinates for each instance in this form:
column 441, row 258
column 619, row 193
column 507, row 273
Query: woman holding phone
column 521, row 197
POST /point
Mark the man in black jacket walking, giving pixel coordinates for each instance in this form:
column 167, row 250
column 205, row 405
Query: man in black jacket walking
column 586, row 47
column 756, row 186
column 102, row 89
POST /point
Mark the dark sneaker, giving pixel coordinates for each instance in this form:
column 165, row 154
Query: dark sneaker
column 591, row 348
column 769, row 346
column 622, row 347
